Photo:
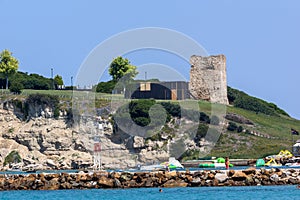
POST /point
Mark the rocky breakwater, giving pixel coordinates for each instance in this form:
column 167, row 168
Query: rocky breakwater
column 104, row 179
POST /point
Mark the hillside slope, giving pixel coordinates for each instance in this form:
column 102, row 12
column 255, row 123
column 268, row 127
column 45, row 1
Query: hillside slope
column 256, row 133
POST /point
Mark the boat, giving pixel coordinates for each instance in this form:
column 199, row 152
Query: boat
column 211, row 165
column 171, row 164
column 272, row 163
column 151, row 167
column 293, row 162
column 281, row 154
column 218, row 163
column 260, row 163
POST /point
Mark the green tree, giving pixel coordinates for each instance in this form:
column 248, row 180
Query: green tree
column 16, row 87
column 105, row 87
column 8, row 64
column 58, row 80
column 121, row 70
column 121, row 67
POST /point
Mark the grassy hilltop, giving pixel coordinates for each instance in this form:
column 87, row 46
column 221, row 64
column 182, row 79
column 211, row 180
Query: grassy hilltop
column 269, row 133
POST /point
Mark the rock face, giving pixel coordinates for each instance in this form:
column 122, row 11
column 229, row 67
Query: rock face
column 208, row 78
column 44, row 142
column 238, row 118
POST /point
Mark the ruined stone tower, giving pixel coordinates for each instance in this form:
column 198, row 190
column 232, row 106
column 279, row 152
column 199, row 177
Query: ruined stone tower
column 208, row 78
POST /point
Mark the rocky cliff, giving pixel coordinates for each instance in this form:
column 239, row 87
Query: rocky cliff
column 50, row 143
column 208, row 78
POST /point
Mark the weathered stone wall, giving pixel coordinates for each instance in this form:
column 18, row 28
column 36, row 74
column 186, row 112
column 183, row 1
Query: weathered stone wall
column 104, row 179
column 208, row 78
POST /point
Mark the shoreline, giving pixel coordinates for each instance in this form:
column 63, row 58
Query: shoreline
column 163, row 179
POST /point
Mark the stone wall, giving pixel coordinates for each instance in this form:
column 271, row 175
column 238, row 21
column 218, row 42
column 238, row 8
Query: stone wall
column 208, row 78
column 105, row 179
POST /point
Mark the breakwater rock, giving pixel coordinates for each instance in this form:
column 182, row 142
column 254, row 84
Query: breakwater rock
column 103, row 179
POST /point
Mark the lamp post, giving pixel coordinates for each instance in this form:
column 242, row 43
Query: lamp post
column 52, row 78
column 72, row 82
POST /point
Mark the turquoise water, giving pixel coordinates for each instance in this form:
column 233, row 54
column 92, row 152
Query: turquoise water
column 253, row 192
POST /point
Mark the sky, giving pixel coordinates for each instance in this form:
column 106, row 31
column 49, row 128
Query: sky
column 260, row 39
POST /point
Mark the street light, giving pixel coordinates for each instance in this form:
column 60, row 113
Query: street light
column 72, row 82
column 52, row 78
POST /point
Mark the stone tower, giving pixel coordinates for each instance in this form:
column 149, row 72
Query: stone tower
column 208, row 78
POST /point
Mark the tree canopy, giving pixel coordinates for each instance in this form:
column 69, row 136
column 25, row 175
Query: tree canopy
column 8, row 64
column 121, row 67
column 58, row 80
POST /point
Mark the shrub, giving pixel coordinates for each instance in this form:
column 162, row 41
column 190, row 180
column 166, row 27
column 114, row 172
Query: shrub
column 173, row 109
column 11, row 130
column 106, row 87
column 12, row 157
column 201, row 132
column 16, row 87
column 232, row 126
column 139, row 111
column 242, row 100
column 70, row 88
column 51, row 101
column 204, row 117
column 231, row 94
column 253, row 104
column 240, row 129
column 32, row 81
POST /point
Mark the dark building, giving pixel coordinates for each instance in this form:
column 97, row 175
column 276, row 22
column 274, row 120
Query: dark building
column 177, row 90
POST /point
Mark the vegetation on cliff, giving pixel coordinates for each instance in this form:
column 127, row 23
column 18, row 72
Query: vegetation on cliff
column 12, row 157
column 242, row 100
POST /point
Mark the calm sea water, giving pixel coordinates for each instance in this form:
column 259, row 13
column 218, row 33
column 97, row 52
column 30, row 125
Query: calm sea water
column 253, row 192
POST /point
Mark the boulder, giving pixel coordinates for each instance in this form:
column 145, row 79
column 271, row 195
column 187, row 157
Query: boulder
column 196, row 181
column 51, row 164
column 171, row 174
column 231, row 172
column 126, row 177
column 250, row 170
column 293, row 180
column 175, row 183
column 238, row 118
column 221, row 177
column 211, row 176
column 239, row 176
column 274, row 178
column 138, row 142
column 107, row 182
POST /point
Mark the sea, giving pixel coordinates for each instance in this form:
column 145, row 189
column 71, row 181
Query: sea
column 229, row 193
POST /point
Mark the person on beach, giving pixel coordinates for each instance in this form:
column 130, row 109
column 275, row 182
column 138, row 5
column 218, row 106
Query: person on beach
column 227, row 163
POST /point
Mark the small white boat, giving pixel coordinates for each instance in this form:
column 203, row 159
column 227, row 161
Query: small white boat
column 171, row 164
column 151, row 167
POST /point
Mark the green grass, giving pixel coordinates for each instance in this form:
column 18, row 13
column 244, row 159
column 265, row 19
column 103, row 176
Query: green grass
column 68, row 94
column 241, row 145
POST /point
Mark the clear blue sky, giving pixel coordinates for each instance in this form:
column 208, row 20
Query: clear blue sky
column 260, row 39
